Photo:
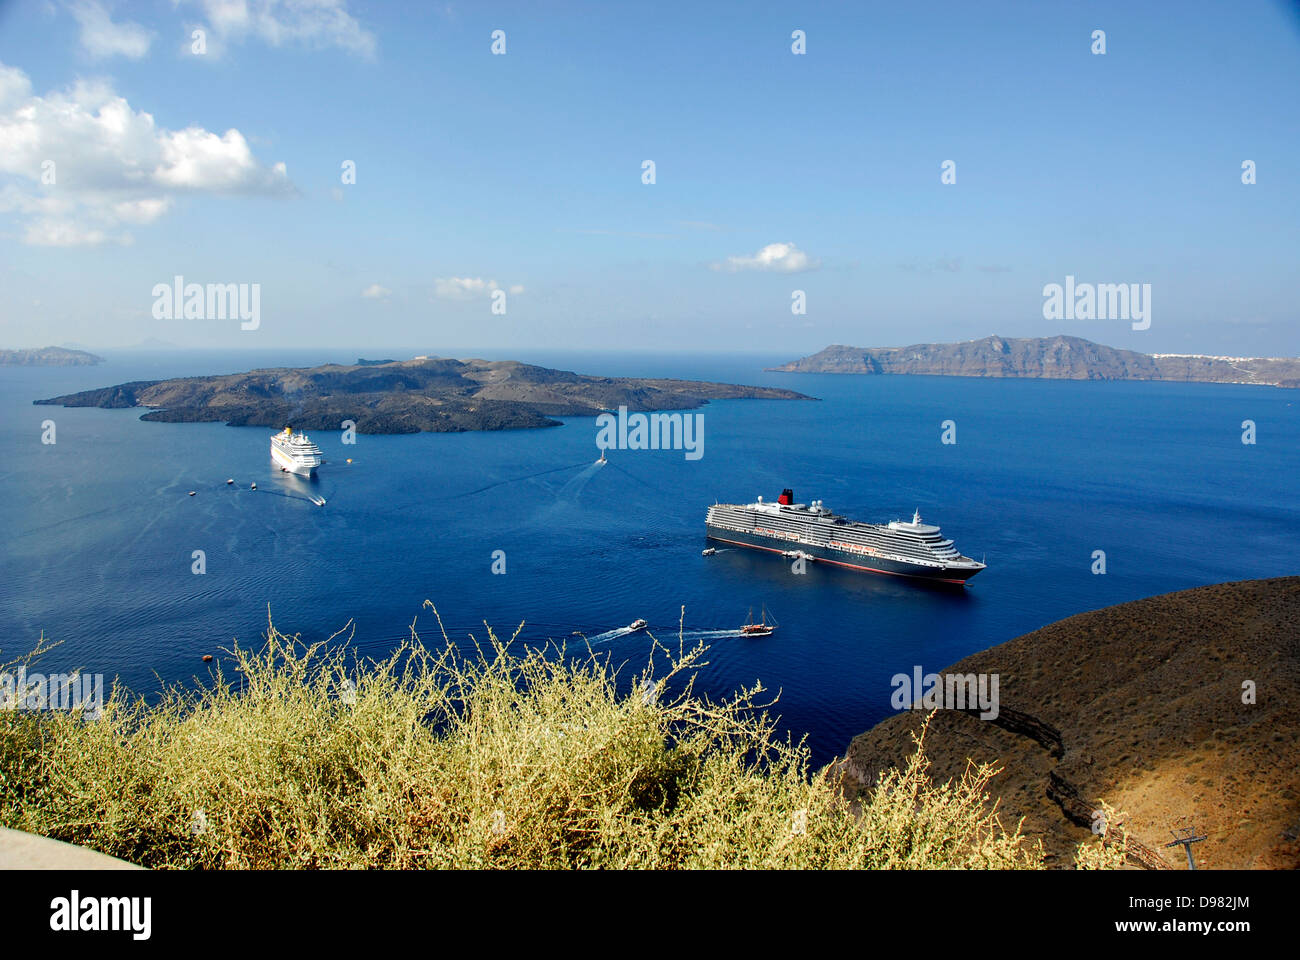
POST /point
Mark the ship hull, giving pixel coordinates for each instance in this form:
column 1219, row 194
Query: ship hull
column 842, row 558
column 285, row 462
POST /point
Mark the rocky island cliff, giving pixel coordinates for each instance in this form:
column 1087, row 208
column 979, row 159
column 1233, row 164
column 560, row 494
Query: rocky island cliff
column 1053, row 358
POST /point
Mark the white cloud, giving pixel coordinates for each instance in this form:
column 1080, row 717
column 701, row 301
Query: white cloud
column 101, row 37
column 85, row 163
column 15, row 87
column 310, row 23
column 775, row 257
column 144, row 210
column 462, row 288
column 376, row 292
column 198, row 159
column 468, row 288
column 54, row 233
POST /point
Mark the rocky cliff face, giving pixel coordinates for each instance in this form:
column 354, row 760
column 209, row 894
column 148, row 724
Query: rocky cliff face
column 1141, row 705
column 433, row 394
column 1055, row 358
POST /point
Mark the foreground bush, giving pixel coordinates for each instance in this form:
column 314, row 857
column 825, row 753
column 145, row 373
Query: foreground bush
column 295, row 756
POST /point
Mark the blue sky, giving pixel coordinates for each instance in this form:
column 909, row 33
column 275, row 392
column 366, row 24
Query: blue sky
column 523, row 172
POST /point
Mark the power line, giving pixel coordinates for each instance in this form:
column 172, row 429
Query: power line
column 1186, row 836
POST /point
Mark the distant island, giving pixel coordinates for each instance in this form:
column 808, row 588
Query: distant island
column 1052, row 358
column 48, row 357
column 426, row 394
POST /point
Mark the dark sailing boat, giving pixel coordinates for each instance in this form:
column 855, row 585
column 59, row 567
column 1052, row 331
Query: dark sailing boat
column 761, row 629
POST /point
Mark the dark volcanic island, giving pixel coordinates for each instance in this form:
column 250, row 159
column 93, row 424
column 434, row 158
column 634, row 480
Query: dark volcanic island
column 433, row 394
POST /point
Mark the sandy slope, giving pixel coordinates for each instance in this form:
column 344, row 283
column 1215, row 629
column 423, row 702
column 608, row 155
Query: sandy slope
column 1139, row 704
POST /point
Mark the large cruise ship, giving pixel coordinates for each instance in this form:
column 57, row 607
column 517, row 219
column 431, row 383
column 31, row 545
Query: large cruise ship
column 811, row 531
column 295, row 453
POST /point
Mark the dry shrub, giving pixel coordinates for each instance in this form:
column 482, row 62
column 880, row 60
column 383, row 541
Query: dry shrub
column 486, row 756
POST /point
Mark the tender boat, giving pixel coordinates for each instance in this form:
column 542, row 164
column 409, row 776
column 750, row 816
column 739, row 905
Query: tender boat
column 637, row 624
column 708, row 551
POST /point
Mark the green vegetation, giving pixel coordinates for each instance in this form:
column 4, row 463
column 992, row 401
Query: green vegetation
column 488, row 756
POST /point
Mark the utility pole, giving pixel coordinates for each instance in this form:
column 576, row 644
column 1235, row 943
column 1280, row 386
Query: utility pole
column 1186, row 836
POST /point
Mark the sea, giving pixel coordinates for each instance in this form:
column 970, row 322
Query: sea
column 1049, row 482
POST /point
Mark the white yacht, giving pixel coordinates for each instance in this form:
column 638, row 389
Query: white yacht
column 295, row 453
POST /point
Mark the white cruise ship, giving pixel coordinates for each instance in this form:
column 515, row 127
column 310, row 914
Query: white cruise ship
column 294, row 453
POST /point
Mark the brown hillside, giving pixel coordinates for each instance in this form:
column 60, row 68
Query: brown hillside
column 1138, row 704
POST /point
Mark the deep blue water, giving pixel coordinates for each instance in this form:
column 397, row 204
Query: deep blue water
column 98, row 529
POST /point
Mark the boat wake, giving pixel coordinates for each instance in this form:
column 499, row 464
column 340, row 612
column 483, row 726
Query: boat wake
column 287, row 495
column 609, row 635
column 634, row 477
column 574, row 486
column 530, row 476
column 710, row 634
column 59, row 523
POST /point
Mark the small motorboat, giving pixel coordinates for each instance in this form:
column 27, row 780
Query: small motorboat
column 252, row 486
column 637, row 624
column 602, row 456
column 708, row 551
column 192, row 492
column 230, row 481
